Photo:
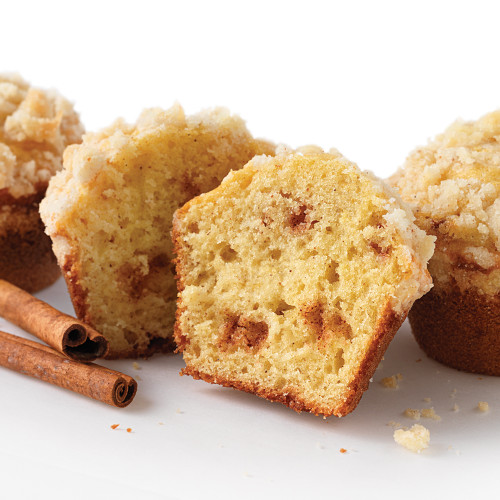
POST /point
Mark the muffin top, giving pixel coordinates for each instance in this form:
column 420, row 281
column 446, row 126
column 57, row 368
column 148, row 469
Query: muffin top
column 35, row 128
column 453, row 184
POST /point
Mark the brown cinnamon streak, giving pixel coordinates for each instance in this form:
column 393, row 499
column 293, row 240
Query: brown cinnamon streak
column 67, row 335
column 42, row 362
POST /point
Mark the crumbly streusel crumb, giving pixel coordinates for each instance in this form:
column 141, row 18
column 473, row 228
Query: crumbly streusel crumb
column 392, row 381
column 394, row 424
column 35, row 127
column 430, row 413
column 454, row 185
column 483, row 406
column 455, row 407
column 415, row 439
column 412, row 413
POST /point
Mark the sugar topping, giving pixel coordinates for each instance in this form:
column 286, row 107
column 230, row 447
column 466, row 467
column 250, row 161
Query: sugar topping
column 35, row 127
column 453, row 184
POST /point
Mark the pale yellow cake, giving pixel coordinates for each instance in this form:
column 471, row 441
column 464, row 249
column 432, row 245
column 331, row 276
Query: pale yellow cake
column 453, row 184
column 294, row 275
column 109, row 214
column 35, row 127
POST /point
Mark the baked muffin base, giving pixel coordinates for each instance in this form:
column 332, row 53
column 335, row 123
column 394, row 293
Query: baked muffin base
column 26, row 257
column 27, row 261
column 459, row 329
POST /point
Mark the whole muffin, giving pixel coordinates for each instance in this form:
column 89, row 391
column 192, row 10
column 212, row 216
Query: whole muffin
column 35, row 128
column 454, row 184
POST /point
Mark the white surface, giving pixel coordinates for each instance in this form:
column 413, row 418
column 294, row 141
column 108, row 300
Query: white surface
column 374, row 79
column 195, row 440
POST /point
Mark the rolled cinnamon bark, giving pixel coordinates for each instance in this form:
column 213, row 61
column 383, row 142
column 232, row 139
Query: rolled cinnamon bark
column 42, row 362
column 65, row 334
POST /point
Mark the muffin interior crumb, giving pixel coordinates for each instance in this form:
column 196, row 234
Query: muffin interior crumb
column 286, row 271
column 109, row 214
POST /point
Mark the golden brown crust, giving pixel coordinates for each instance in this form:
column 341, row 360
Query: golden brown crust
column 180, row 339
column 26, row 257
column 387, row 328
column 286, row 397
column 459, row 329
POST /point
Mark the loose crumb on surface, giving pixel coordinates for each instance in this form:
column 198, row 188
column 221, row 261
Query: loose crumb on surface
column 343, row 450
column 483, row 406
column 115, row 426
column 392, row 381
column 430, row 413
column 455, row 407
column 394, row 424
column 161, row 423
column 418, row 360
column 427, row 400
column 412, row 413
column 136, row 365
column 453, row 394
column 129, row 429
column 415, row 439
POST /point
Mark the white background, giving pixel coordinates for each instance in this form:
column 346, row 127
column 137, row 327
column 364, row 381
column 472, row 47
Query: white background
column 374, row 79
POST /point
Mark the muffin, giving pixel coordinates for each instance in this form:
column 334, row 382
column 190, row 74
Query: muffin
column 109, row 214
column 35, row 127
column 294, row 275
column 454, row 185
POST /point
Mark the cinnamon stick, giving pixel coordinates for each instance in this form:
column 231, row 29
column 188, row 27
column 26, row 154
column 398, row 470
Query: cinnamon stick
column 42, row 362
column 65, row 334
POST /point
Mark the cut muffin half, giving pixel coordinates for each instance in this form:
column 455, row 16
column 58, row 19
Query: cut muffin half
column 294, row 275
column 109, row 214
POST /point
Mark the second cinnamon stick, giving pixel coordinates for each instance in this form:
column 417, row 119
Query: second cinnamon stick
column 62, row 332
column 42, row 362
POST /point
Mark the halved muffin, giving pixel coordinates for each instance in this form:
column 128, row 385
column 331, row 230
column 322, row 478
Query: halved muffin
column 294, row 275
column 109, row 214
